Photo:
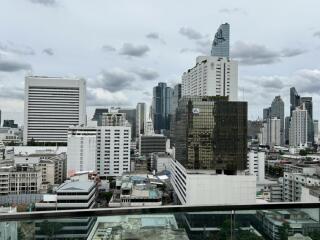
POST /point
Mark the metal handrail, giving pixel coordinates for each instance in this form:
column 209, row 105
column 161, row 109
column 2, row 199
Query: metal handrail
column 149, row 210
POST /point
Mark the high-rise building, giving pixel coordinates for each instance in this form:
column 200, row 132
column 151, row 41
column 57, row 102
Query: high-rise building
column 211, row 133
column 0, row 118
column 316, row 131
column 161, row 107
column 177, row 92
column 140, row 118
column 298, row 133
column 52, row 105
column 266, row 113
column 211, row 76
column 82, row 144
column 131, row 118
column 256, row 164
column 263, row 134
column 286, row 129
column 277, row 110
column 307, row 105
column 113, row 146
column 221, row 42
column 97, row 115
column 294, row 100
column 9, row 124
column 274, row 132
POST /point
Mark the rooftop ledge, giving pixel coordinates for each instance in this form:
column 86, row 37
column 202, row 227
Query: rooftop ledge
column 151, row 210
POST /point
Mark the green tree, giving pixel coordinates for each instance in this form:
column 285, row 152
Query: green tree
column 303, row 152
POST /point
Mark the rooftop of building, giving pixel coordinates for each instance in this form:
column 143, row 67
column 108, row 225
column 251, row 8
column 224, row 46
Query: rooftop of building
column 75, row 186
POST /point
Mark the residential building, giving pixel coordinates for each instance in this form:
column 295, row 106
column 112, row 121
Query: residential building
column 211, row 133
column 298, row 133
column 113, row 146
column 256, row 164
column 20, row 179
column 82, row 146
column 221, row 42
column 263, row 134
column 152, row 143
column 292, row 183
column 140, row 119
column 11, row 136
column 161, row 100
column 52, row 105
column 274, row 132
column 211, row 76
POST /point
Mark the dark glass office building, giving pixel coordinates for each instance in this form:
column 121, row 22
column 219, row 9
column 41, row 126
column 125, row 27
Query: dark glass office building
column 211, row 133
column 161, row 104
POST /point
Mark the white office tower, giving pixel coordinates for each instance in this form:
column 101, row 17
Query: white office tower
column 201, row 187
column 316, row 131
column 263, row 134
column 113, row 146
column 52, row 105
column 212, row 76
column 140, row 119
column 149, row 131
column 298, row 131
column 256, row 164
column 274, row 136
column 82, row 144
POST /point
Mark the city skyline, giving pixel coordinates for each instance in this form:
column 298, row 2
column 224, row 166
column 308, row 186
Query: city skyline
column 117, row 67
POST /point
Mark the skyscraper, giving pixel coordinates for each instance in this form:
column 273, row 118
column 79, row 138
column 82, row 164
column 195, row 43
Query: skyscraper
column 307, row 105
column 161, row 107
column 221, row 42
column 52, row 105
column 266, row 113
column 211, row 133
column 274, row 136
column 140, row 118
column 277, row 110
column 211, row 76
column 294, row 100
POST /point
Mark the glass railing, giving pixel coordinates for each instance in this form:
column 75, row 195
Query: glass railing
column 292, row 221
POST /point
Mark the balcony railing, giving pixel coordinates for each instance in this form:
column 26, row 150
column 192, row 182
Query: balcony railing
column 276, row 221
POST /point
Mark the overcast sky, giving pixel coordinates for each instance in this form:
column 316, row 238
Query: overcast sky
column 124, row 48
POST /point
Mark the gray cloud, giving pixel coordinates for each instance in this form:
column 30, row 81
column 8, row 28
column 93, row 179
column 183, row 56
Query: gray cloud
column 12, row 92
column 102, row 97
column 308, row 81
column 146, row 73
column 190, row 33
column 155, row 36
column 292, row 52
column 273, row 82
column 233, row 10
column 254, row 54
column 108, row 48
column 45, row 2
column 16, row 49
column 317, row 34
column 146, row 93
column 202, row 46
column 131, row 50
column 114, row 80
column 48, row 51
column 13, row 66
